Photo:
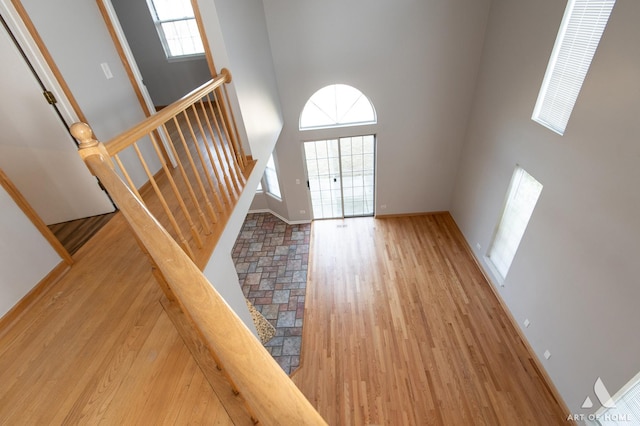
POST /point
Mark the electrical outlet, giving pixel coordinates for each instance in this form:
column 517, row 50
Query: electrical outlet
column 547, row 354
column 383, row 206
column 297, row 181
column 478, row 246
column 527, row 323
column 303, row 211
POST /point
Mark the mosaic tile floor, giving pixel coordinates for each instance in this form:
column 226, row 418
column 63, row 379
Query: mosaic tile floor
column 271, row 258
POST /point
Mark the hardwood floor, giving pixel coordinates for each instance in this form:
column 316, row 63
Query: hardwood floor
column 97, row 347
column 401, row 328
column 75, row 233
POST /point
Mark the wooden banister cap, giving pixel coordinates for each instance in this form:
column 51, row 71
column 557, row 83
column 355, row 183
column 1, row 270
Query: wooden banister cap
column 227, row 75
column 83, row 133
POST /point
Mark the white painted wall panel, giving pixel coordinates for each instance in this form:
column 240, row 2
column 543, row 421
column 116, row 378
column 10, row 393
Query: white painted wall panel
column 575, row 276
column 415, row 60
column 25, row 256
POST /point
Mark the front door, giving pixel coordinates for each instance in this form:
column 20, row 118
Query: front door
column 341, row 176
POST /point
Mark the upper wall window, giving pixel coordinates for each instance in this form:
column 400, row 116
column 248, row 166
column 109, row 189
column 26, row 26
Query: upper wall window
column 524, row 191
column 177, row 27
column 580, row 32
column 335, row 106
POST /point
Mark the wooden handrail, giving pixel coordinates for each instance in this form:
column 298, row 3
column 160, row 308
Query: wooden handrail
column 193, row 146
column 270, row 394
column 142, row 129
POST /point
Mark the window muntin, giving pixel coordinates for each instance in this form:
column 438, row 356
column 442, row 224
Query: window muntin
column 578, row 38
column 271, row 179
column 341, row 176
column 177, row 27
column 335, row 106
column 522, row 197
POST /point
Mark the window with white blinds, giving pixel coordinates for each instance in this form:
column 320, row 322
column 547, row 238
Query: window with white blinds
column 578, row 38
column 626, row 410
column 522, row 197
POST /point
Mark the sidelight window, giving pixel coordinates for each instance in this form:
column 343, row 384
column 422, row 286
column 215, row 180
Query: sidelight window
column 522, row 197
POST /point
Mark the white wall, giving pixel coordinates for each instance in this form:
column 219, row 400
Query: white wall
column 36, row 151
column 575, row 276
column 77, row 38
column 239, row 41
column 238, row 38
column 166, row 81
column 20, row 244
column 417, row 63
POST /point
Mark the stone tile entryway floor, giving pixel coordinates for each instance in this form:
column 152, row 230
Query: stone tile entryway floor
column 271, row 258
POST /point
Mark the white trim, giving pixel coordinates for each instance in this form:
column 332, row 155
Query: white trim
column 131, row 60
column 183, row 58
column 288, row 222
column 115, row 23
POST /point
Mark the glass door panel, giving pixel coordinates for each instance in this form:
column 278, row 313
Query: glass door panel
column 357, row 160
column 341, row 176
column 323, row 174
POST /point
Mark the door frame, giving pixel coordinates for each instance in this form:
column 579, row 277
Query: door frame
column 338, row 137
column 27, row 36
column 126, row 55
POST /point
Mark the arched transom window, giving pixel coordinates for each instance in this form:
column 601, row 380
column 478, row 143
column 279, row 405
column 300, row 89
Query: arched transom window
column 337, row 105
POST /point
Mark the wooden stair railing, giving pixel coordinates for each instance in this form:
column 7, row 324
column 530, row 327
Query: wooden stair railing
column 192, row 159
column 249, row 383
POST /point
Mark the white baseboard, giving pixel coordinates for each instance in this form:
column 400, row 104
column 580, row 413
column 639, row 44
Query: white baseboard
column 288, row 222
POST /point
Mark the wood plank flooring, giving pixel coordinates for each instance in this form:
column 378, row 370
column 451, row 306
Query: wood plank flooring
column 97, row 347
column 75, row 233
column 401, row 328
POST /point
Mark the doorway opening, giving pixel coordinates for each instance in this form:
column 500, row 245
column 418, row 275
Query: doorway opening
column 341, row 176
column 40, row 162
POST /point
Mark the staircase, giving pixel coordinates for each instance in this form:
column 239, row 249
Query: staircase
column 195, row 169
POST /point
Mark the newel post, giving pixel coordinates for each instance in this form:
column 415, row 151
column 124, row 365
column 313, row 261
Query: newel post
column 89, row 145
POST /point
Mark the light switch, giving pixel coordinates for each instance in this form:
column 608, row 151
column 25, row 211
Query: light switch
column 106, row 70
